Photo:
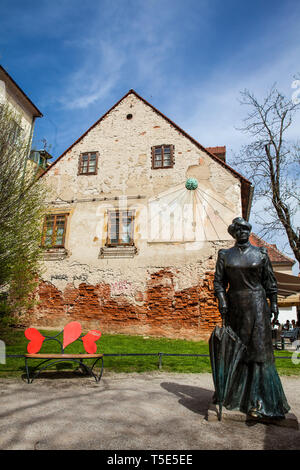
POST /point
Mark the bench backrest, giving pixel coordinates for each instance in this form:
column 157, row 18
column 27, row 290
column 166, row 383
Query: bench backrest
column 70, row 333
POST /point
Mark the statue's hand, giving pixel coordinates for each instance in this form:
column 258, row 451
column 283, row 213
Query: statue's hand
column 223, row 310
column 222, row 304
column 274, row 310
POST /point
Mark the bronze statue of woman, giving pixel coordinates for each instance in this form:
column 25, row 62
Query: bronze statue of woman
column 244, row 279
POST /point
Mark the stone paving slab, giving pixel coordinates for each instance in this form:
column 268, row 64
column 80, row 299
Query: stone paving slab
column 130, row 412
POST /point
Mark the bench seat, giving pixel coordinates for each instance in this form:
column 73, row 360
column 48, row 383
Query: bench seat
column 63, row 356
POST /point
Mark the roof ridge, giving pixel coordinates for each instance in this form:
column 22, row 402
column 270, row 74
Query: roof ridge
column 20, row 89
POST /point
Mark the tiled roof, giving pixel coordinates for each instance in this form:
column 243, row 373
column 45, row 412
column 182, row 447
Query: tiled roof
column 274, row 254
column 218, row 151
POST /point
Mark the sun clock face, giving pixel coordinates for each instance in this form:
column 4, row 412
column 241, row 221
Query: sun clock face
column 191, row 184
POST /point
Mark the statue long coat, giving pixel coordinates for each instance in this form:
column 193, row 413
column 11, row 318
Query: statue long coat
column 249, row 274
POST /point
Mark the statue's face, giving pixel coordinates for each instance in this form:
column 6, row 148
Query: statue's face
column 242, row 233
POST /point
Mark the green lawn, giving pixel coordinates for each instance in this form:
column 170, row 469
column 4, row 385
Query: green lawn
column 116, row 344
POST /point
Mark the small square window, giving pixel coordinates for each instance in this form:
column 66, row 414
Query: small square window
column 162, row 156
column 88, row 163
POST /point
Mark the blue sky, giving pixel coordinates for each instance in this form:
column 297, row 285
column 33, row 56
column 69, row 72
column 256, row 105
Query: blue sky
column 189, row 58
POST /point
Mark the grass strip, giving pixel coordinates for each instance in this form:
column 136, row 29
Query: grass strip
column 16, row 343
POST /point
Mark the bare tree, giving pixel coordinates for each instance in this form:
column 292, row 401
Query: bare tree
column 271, row 161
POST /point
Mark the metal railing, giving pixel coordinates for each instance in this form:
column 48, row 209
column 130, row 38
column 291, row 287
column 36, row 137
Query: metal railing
column 159, row 355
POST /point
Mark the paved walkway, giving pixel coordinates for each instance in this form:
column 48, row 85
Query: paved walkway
column 129, row 411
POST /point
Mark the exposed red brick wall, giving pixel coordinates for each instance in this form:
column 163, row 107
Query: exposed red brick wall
column 161, row 310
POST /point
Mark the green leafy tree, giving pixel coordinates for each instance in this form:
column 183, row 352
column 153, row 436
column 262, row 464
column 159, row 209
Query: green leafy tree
column 22, row 208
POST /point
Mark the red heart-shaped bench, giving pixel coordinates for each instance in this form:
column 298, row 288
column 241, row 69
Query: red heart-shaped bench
column 71, row 333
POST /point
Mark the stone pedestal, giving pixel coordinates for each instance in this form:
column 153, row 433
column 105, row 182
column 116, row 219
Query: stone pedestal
column 290, row 420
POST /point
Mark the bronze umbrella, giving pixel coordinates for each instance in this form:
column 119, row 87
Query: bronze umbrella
column 226, row 351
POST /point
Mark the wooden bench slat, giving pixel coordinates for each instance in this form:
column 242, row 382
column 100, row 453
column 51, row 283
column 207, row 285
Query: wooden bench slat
column 63, row 356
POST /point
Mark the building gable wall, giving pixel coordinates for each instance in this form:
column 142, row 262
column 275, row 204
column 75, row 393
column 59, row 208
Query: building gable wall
column 125, row 158
column 166, row 287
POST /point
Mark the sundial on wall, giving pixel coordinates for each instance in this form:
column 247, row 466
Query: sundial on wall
column 190, row 211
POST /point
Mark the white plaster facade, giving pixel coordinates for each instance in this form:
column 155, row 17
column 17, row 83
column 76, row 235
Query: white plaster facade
column 174, row 228
column 22, row 106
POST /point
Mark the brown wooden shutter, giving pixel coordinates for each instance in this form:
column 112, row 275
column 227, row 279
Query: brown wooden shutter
column 152, row 156
column 132, row 217
column 172, row 150
column 97, row 158
column 79, row 163
column 44, row 230
column 65, row 228
column 108, row 228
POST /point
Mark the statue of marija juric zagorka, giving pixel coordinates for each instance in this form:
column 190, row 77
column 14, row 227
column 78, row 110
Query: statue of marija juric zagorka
column 243, row 282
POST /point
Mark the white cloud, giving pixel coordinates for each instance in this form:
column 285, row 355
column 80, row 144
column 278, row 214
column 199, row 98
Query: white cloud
column 94, row 78
column 124, row 48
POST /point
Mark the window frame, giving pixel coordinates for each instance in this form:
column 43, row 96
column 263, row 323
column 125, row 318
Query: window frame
column 15, row 132
column 162, row 147
column 111, row 244
column 80, row 163
column 55, row 215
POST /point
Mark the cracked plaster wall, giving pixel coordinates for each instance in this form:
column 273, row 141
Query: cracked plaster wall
column 124, row 169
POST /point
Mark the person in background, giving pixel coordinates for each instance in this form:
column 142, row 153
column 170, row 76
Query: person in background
column 276, row 332
column 276, row 324
column 287, row 325
column 293, row 324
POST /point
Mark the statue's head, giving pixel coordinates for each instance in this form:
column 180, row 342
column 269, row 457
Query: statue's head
column 240, row 229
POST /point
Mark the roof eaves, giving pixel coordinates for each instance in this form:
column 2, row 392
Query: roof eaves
column 38, row 112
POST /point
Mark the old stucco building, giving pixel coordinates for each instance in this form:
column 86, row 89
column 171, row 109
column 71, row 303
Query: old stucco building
column 16, row 98
column 23, row 108
column 137, row 212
